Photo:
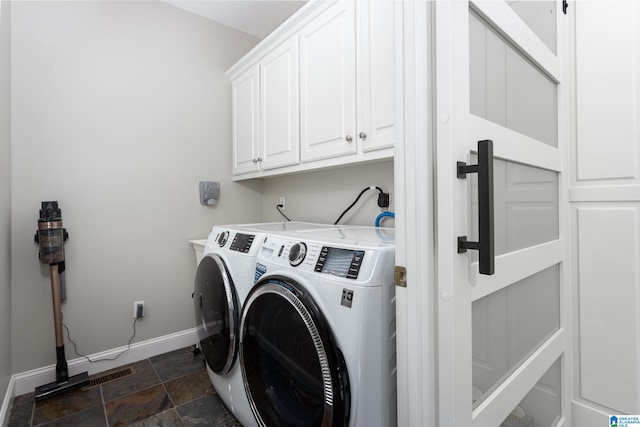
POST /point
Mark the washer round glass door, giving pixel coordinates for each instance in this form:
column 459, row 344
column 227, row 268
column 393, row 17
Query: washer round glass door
column 217, row 314
column 293, row 372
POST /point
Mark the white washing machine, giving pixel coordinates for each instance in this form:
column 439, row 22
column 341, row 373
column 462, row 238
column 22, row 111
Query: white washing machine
column 223, row 280
column 318, row 329
column 224, row 277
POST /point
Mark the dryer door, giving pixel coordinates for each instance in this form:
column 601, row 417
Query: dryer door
column 217, row 313
column 292, row 370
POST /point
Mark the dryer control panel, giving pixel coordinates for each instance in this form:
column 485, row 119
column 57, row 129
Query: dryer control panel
column 346, row 263
column 339, row 262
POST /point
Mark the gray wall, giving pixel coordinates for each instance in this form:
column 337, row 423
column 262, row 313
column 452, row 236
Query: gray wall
column 119, row 109
column 323, row 196
column 5, row 197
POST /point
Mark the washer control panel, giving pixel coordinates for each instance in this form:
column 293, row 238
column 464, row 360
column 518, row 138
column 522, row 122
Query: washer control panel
column 222, row 238
column 242, row 242
column 238, row 242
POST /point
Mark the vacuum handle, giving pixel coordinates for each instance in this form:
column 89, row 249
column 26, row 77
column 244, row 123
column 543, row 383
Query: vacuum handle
column 57, row 304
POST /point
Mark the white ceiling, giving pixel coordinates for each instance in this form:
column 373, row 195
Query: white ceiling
column 258, row 17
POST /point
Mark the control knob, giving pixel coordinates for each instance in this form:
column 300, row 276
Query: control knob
column 222, row 239
column 297, row 254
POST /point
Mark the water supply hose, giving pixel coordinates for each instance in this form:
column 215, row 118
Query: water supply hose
column 384, row 215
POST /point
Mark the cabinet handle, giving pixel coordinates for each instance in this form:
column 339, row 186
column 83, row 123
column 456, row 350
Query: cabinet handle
column 485, row 244
column 348, row 138
column 362, row 135
column 255, row 160
column 259, row 159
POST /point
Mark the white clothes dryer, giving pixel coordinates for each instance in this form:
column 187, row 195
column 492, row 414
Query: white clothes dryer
column 317, row 330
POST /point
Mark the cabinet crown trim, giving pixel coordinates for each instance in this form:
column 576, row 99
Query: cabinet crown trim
column 285, row 30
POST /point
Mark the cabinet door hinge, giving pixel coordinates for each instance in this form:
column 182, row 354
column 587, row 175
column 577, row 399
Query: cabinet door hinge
column 565, row 5
column 400, row 276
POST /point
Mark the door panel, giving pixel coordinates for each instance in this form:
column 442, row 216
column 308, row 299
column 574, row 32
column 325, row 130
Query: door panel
column 509, row 325
column 506, row 21
column 526, row 206
column 500, row 334
column 506, row 88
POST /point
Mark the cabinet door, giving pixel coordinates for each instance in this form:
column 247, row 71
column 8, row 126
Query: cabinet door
column 376, row 73
column 244, row 105
column 328, row 84
column 280, row 107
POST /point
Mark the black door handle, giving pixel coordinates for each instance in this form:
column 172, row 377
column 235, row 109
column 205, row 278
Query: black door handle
column 485, row 244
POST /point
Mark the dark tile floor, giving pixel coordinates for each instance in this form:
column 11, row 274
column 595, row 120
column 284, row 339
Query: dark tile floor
column 171, row 389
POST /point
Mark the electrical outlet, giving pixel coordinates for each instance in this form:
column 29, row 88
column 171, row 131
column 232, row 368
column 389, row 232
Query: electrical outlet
column 383, row 201
column 281, row 204
column 138, row 309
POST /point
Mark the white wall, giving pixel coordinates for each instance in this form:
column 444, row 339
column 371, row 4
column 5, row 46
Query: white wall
column 323, row 196
column 5, row 196
column 119, row 109
column 605, row 211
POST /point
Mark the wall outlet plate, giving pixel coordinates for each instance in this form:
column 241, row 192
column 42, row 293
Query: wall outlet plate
column 137, row 314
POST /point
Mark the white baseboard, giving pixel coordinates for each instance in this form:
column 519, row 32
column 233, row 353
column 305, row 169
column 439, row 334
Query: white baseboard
column 6, row 403
column 26, row 382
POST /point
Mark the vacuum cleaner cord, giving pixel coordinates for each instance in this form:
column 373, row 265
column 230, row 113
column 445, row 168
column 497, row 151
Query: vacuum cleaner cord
column 75, row 348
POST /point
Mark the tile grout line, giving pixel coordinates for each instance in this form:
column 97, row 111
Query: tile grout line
column 33, row 412
column 168, row 394
column 104, row 408
column 134, row 391
column 163, row 382
column 165, row 390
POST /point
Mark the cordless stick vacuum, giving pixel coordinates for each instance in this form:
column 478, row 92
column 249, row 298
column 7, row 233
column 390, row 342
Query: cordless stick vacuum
column 50, row 239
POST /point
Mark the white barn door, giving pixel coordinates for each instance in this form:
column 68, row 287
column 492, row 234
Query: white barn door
column 501, row 336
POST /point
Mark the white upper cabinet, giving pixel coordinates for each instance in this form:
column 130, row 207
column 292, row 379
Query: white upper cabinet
column 279, row 107
column 265, row 105
column 328, row 84
column 244, row 116
column 377, row 24
column 324, row 84
column 350, row 46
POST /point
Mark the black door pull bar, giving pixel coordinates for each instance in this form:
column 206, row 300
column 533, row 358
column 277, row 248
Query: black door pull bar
column 485, row 244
